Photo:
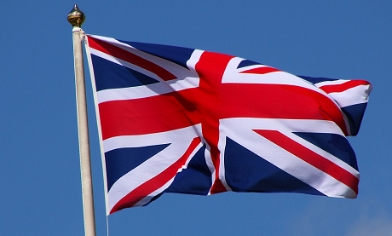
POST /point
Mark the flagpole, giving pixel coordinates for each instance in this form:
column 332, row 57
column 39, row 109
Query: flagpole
column 76, row 19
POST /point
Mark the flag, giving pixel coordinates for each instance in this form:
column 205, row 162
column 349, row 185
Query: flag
column 180, row 120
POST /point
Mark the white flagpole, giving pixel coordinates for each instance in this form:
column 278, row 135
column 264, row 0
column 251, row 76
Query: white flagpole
column 76, row 19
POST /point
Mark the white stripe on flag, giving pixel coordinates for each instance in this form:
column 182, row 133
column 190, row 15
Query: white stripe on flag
column 147, row 90
column 352, row 96
column 126, row 141
column 332, row 82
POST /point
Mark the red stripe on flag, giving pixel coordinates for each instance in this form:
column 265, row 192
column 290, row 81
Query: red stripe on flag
column 210, row 91
column 261, row 70
column 278, row 101
column 311, row 158
column 194, row 106
column 147, row 115
column 129, row 57
column 336, row 88
column 156, row 182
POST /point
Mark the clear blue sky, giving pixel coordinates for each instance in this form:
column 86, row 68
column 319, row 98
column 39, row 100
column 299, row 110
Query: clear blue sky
column 39, row 170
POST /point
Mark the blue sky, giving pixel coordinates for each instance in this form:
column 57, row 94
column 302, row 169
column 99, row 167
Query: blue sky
column 39, row 171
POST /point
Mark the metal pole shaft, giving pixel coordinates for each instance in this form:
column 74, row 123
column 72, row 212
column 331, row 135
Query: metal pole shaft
column 76, row 18
column 84, row 143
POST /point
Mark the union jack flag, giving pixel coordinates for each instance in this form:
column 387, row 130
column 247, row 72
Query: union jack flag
column 182, row 120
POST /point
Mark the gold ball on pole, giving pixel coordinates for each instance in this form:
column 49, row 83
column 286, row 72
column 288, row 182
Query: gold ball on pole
column 76, row 17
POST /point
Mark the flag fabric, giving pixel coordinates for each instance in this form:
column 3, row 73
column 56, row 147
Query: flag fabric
column 180, row 120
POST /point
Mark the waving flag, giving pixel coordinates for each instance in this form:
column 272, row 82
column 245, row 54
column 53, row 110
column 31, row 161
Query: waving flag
column 189, row 121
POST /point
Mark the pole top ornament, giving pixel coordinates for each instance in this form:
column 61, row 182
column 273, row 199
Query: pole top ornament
column 76, row 17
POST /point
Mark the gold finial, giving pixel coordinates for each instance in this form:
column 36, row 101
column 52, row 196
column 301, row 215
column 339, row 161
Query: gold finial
column 76, row 17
